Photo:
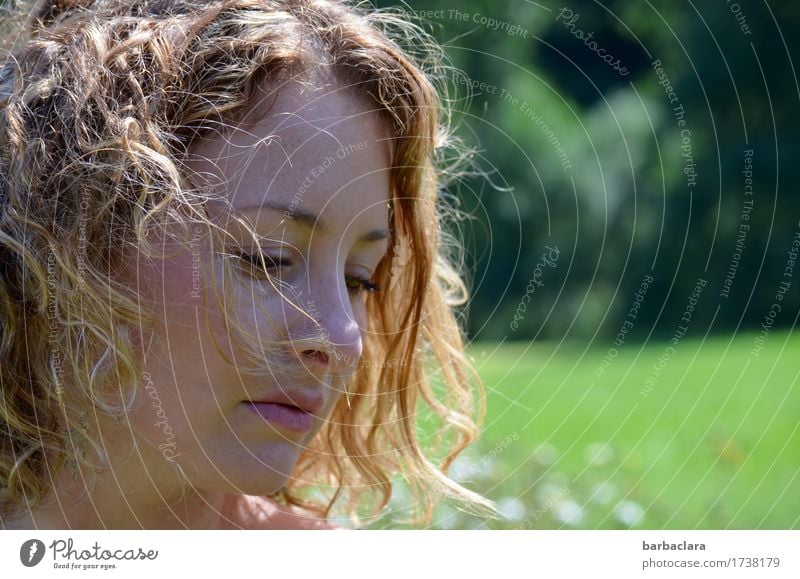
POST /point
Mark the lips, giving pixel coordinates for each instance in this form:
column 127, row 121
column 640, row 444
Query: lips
column 292, row 410
column 289, row 417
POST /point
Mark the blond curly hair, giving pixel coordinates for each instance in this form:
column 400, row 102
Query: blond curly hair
column 100, row 102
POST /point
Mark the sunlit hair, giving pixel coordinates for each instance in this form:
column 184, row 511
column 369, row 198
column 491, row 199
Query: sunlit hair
column 100, row 104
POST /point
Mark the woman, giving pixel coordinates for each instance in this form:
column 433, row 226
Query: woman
column 222, row 279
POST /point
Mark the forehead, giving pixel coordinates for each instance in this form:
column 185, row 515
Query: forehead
column 300, row 146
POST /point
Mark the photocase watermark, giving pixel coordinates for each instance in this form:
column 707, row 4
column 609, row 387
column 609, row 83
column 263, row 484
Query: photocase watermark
column 680, row 331
column 313, row 311
column 96, row 557
column 679, row 113
column 672, row 96
column 484, row 87
column 196, row 279
column 31, row 552
column 168, row 448
column 741, row 19
column 568, row 18
column 524, row 107
column 67, row 556
column 388, row 363
column 473, row 468
column 783, row 287
column 54, row 341
column 317, row 171
column 554, row 141
column 545, row 508
column 744, row 227
column 501, row 446
column 83, row 242
column 547, row 259
column 340, row 357
column 688, row 312
column 688, row 155
column 627, row 325
column 493, row 24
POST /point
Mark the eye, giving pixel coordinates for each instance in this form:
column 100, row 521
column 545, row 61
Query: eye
column 357, row 285
column 274, row 264
column 276, row 267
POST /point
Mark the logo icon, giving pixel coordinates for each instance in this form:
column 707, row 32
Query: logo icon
column 31, row 552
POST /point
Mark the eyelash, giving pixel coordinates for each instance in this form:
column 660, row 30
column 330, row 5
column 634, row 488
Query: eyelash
column 254, row 260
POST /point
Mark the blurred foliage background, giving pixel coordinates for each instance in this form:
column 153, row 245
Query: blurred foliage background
column 631, row 245
column 624, row 208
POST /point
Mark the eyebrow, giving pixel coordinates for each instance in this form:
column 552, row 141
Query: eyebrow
column 310, row 220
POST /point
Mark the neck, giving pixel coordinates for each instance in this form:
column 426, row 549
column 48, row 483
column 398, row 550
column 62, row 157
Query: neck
column 125, row 500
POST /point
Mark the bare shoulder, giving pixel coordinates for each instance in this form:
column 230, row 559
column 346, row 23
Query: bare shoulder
column 255, row 512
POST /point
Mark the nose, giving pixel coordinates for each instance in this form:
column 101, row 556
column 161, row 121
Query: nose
column 326, row 335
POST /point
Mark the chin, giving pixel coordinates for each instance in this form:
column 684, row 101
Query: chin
column 263, row 472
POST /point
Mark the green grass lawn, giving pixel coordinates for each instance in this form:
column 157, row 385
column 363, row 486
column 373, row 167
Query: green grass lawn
column 713, row 443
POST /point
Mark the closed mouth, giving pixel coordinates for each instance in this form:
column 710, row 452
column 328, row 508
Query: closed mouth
column 290, row 417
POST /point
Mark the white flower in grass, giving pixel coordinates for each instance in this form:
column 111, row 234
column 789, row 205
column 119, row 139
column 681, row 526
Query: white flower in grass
column 629, row 513
column 464, row 468
column 546, row 454
column 549, row 492
column 467, row 468
column 447, row 518
column 599, row 454
column 511, row 508
column 603, row 493
column 568, row 512
column 401, row 498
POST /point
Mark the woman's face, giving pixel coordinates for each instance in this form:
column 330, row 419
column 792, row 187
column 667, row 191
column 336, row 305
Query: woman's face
column 313, row 179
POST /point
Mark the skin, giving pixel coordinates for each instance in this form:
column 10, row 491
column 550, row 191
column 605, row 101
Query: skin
column 192, row 403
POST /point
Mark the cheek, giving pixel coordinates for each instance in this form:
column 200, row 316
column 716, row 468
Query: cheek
column 359, row 306
column 190, row 314
column 185, row 367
